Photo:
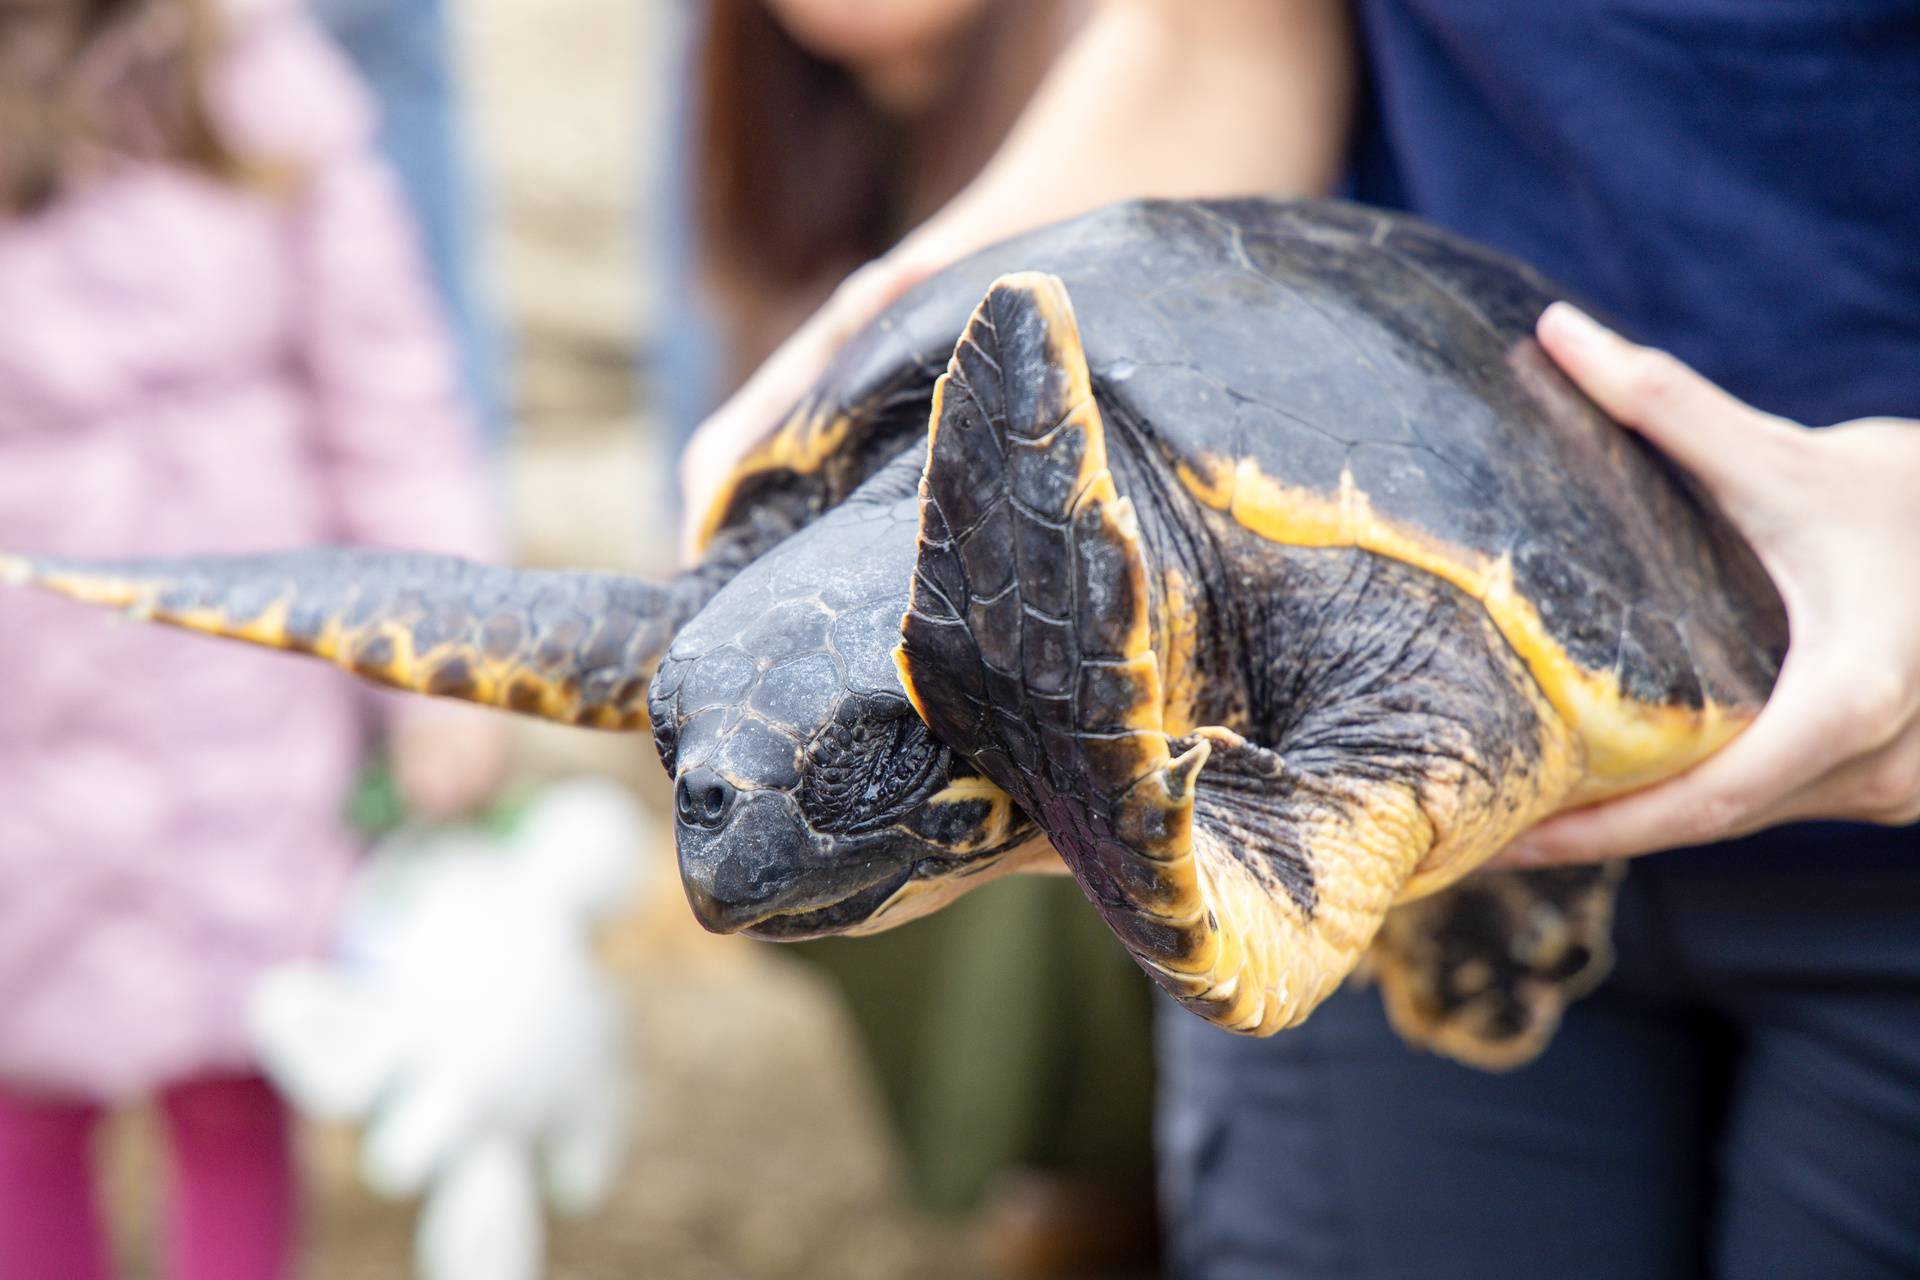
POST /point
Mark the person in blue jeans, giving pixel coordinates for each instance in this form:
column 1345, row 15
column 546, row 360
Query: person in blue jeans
column 401, row 48
column 1735, row 185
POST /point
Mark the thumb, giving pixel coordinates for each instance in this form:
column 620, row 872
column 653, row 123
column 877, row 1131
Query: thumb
column 1722, row 440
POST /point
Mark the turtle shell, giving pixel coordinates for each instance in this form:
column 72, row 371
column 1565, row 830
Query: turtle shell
column 872, row 401
column 1327, row 375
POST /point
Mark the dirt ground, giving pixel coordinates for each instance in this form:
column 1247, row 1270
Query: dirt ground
column 758, row 1150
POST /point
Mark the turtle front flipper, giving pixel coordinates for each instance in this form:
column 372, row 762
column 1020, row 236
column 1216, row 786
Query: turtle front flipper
column 576, row 647
column 1247, row 890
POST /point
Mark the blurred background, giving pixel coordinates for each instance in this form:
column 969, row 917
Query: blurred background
column 623, row 206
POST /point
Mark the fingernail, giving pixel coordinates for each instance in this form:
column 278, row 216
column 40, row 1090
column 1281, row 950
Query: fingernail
column 1575, row 324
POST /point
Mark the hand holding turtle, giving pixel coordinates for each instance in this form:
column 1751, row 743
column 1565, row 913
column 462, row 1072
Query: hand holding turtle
column 1832, row 516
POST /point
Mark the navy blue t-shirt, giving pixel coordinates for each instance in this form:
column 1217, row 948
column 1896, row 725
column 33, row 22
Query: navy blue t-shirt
column 1735, row 180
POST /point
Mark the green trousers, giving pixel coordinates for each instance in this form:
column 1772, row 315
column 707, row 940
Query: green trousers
column 1007, row 1030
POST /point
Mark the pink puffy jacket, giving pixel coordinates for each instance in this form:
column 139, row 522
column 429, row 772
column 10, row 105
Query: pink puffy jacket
column 191, row 367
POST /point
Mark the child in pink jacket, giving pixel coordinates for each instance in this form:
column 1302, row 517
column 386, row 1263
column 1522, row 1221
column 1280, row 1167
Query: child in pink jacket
column 215, row 335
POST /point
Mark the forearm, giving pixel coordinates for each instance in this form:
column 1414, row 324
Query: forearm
column 1167, row 98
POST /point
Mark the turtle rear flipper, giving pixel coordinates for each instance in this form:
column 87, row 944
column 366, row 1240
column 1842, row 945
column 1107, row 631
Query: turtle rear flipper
column 1247, row 885
column 1483, row 970
column 575, row 647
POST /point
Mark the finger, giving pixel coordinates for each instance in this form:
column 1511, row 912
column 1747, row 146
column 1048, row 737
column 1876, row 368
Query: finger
column 1712, row 434
column 1796, row 740
column 1882, row 786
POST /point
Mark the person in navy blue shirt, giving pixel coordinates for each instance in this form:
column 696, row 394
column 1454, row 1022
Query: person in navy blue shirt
column 1737, row 184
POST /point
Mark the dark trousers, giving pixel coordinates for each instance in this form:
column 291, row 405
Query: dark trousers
column 1741, row 1099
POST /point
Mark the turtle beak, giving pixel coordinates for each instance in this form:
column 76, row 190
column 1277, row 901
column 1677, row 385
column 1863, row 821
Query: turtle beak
column 749, row 864
column 744, row 855
column 716, row 915
column 737, row 854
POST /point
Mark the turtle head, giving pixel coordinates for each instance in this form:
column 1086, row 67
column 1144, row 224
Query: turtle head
column 809, row 797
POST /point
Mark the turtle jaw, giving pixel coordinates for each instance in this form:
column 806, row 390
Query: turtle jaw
column 917, row 890
column 844, row 916
column 751, row 863
column 779, row 917
column 748, row 857
column 762, row 871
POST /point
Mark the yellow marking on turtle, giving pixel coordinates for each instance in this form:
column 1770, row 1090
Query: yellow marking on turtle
column 1627, row 743
column 1180, row 675
column 1142, row 672
column 800, row 445
column 1286, row 964
column 1048, row 295
column 268, row 627
column 922, row 897
column 994, row 827
column 96, row 589
column 906, row 678
column 920, row 540
column 1125, row 524
column 490, row 681
column 141, row 601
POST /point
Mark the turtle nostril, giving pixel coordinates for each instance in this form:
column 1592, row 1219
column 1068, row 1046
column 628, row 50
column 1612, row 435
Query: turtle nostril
column 701, row 798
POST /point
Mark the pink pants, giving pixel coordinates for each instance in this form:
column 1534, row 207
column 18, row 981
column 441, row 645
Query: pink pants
column 230, row 1211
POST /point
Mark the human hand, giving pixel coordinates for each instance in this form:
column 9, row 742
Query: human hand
column 1834, row 516
column 446, row 759
column 720, row 442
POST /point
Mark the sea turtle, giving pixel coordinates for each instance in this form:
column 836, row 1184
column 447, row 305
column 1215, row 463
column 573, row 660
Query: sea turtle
column 1283, row 386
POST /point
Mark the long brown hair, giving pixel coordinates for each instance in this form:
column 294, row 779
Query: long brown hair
column 83, row 81
column 792, row 155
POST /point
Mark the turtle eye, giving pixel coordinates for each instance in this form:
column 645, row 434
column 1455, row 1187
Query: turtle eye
column 862, row 773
